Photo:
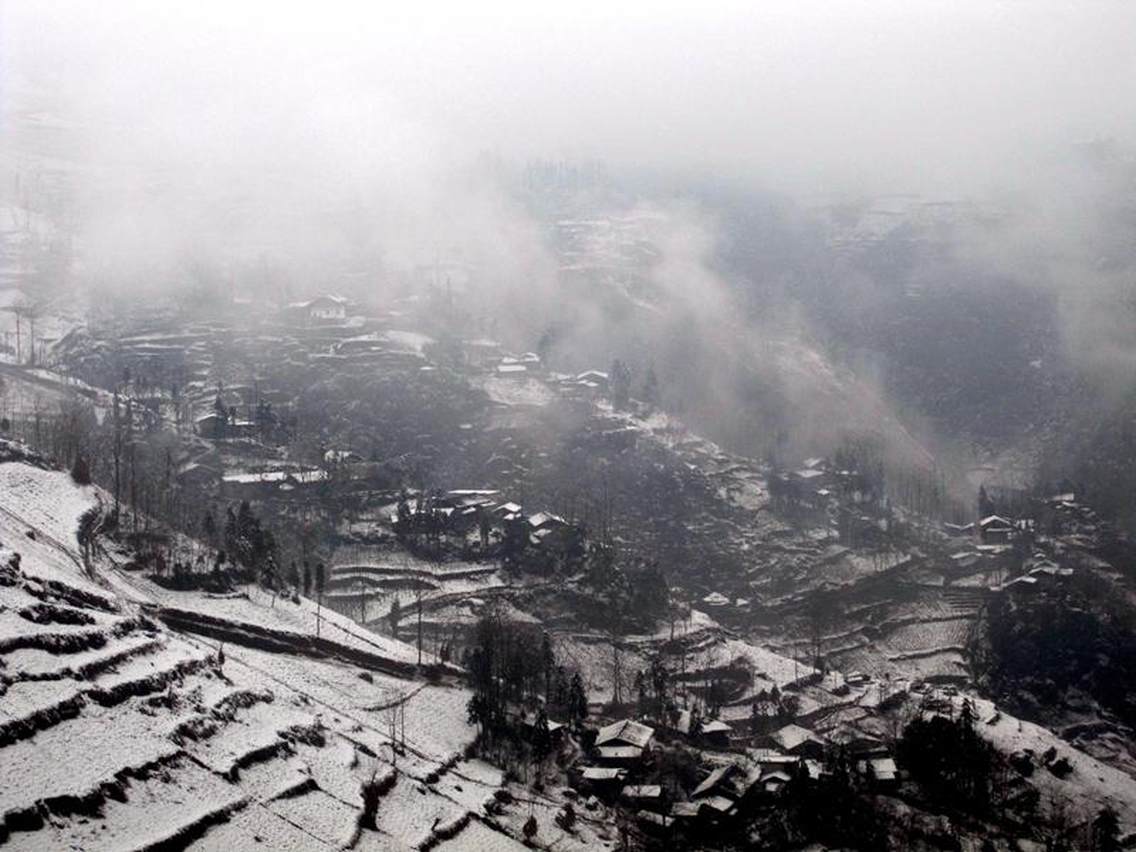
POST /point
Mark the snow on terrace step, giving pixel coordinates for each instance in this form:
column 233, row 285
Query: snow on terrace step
column 38, row 703
column 477, row 835
column 412, row 817
column 30, row 706
column 284, row 778
column 329, row 819
column 17, row 632
column 149, row 674
column 170, row 809
column 58, row 776
column 37, row 664
column 258, row 827
column 258, row 735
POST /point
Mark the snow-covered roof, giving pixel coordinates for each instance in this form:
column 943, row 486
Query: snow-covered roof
column 341, row 456
column 304, row 477
column 686, row 809
column 541, row 519
column 625, row 731
column 592, row 375
column 1024, row 580
column 768, row 756
column 601, row 773
column 660, row 820
column 716, row 726
column 719, row 803
column 996, row 520
column 511, row 369
column 711, row 780
column 307, row 477
column 642, row 791
column 730, row 778
column 336, row 300
column 551, row 724
column 620, row 752
column 958, row 527
column 262, row 476
column 793, row 736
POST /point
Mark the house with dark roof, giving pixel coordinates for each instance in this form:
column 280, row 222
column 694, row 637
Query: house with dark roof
column 994, row 529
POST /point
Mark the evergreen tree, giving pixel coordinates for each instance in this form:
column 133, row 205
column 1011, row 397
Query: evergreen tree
column 548, row 663
column 542, row 737
column 530, row 829
column 1106, row 831
column 209, row 527
column 577, row 701
column 81, row 471
column 619, row 382
column 395, row 616
column 477, row 710
column 651, row 387
column 222, row 414
column 986, row 506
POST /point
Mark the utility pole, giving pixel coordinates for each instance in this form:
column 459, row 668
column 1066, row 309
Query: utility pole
column 420, row 626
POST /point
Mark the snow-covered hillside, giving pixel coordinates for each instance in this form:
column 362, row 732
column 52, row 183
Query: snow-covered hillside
column 119, row 732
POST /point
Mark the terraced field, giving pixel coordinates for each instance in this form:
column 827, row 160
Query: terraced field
column 121, row 732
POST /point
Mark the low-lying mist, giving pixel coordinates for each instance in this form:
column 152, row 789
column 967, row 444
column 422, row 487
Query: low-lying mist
column 277, row 151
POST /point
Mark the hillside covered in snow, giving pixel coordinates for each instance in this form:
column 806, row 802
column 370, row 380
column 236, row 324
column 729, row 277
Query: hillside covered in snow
column 132, row 719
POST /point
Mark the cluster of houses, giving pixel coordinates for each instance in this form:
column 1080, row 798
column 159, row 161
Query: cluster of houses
column 990, row 545
column 518, row 366
column 993, row 529
column 589, row 384
column 623, row 754
column 463, row 511
column 828, row 494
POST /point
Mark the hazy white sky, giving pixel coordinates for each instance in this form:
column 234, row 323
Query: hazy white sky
column 807, row 96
